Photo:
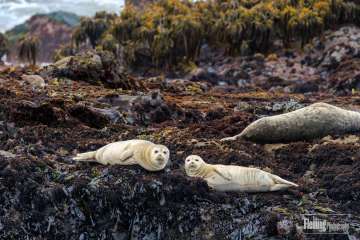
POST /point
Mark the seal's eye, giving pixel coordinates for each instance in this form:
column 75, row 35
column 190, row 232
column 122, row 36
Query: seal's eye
column 196, row 160
column 188, row 160
column 156, row 151
column 165, row 152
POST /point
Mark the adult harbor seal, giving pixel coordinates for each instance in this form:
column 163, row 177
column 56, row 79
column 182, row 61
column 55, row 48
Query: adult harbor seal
column 234, row 178
column 314, row 121
column 150, row 156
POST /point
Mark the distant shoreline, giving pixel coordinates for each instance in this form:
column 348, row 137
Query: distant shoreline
column 15, row 13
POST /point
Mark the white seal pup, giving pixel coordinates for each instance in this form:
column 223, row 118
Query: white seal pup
column 150, row 156
column 315, row 121
column 234, row 178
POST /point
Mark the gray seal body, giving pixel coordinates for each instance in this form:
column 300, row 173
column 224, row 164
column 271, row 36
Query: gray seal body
column 315, row 121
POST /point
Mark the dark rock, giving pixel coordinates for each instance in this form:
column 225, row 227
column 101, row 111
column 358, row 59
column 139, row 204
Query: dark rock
column 345, row 79
column 206, row 75
column 152, row 108
column 305, row 87
column 289, row 54
column 217, row 113
column 274, row 81
column 94, row 67
column 148, row 109
column 25, row 112
column 234, row 75
column 95, row 117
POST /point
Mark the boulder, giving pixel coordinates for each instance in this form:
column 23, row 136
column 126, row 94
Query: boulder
column 94, row 67
column 35, row 81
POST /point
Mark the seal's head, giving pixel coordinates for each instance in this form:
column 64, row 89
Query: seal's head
column 159, row 155
column 193, row 165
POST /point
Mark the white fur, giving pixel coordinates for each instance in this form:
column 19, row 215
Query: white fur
column 234, row 178
column 150, row 156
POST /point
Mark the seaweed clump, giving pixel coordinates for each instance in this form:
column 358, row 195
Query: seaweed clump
column 168, row 33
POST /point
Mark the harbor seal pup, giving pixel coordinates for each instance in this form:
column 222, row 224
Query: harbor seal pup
column 315, row 121
column 234, row 178
column 150, row 156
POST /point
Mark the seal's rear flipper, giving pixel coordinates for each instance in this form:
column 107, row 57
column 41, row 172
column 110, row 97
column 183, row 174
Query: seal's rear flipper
column 279, row 187
column 88, row 156
column 233, row 138
column 279, row 180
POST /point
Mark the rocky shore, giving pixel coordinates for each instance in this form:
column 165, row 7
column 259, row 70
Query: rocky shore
column 85, row 102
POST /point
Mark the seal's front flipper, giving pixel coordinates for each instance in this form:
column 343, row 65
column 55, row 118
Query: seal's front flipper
column 226, row 175
column 126, row 155
column 228, row 139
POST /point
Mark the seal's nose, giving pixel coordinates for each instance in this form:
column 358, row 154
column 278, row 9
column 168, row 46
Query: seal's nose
column 160, row 159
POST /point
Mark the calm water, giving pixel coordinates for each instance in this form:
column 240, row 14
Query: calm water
column 13, row 12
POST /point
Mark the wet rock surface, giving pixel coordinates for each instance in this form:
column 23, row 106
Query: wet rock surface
column 46, row 195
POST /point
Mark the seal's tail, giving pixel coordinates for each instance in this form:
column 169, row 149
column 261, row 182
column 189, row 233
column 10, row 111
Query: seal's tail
column 88, row 156
column 278, row 179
